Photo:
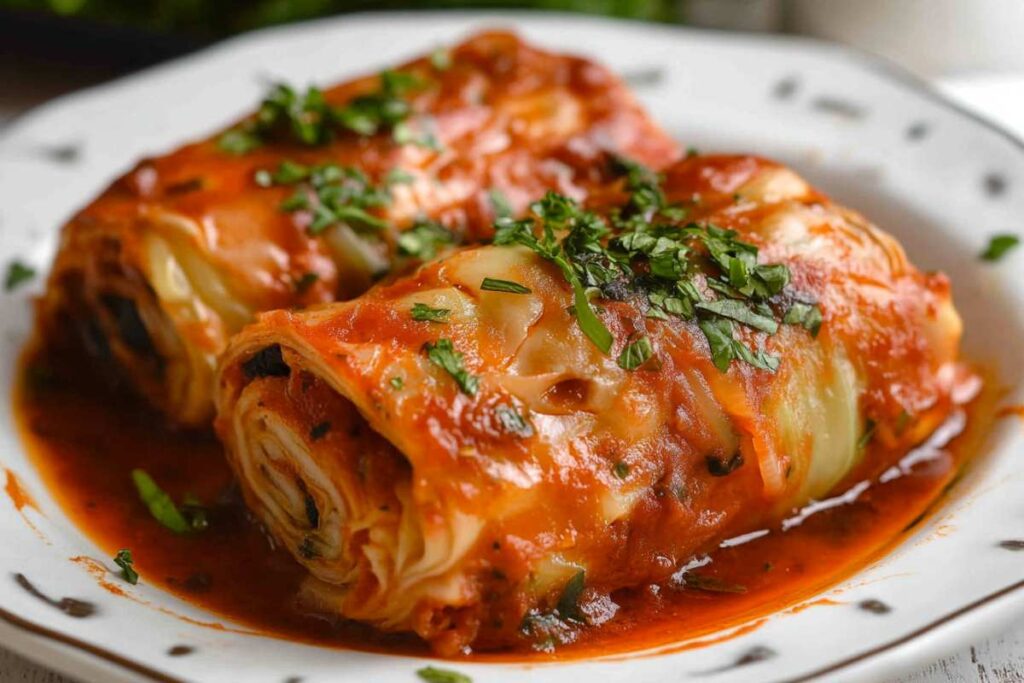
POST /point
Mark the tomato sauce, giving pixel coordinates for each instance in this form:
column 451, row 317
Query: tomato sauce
column 85, row 438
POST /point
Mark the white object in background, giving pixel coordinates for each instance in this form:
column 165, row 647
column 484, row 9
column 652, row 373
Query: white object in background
column 734, row 15
column 932, row 37
column 1000, row 97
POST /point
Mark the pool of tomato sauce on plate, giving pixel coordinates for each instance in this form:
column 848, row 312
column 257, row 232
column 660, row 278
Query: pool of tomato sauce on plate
column 86, row 438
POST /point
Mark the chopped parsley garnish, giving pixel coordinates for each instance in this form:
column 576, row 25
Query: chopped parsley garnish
column 491, row 284
column 160, row 504
column 239, row 141
column 307, row 118
column 441, row 59
column 557, row 213
column 319, row 430
column 806, row 315
column 644, row 187
column 620, row 469
column 385, row 108
column 725, row 348
column 332, row 194
column 444, row 355
column 432, row 674
column 287, row 173
column 636, row 354
column 998, row 246
column 124, row 560
column 424, row 313
column 397, row 176
column 283, row 114
column 17, row 274
column 305, row 281
column 424, row 239
column 902, row 421
column 869, row 433
column 556, row 626
column 195, row 513
column 512, row 422
column 396, row 383
column 421, row 135
column 500, row 205
column 697, row 272
column 569, row 603
column 720, row 467
column 741, row 313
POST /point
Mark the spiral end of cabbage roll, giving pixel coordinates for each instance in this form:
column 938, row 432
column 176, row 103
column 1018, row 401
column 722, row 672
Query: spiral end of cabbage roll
column 340, row 497
column 132, row 302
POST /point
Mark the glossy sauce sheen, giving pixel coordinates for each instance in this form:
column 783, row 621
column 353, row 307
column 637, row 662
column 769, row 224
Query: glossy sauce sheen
column 86, row 441
column 624, row 475
column 185, row 249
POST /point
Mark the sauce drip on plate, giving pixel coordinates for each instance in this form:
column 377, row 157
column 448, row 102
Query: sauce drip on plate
column 86, row 440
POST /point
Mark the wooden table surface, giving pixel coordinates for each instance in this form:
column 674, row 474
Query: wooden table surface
column 30, row 81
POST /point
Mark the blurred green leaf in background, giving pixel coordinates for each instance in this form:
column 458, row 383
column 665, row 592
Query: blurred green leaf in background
column 207, row 19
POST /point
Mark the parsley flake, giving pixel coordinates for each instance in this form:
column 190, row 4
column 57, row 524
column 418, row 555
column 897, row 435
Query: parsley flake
column 441, row 59
column 421, row 135
column 332, row 194
column 432, row 674
column 424, row 239
column 999, row 246
column 308, row 119
column 691, row 271
column 512, row 422
column 18, row 274
column 385, row 108
column 159, row 503
column 124, row 560
column 568, row 607
column 636, row 354
column 305, row 281
column 319, row 430
column 443, row 354
column 738, row 311
column 491, row 284
column 557, row 212
column 397, row 176
column 239, row 141
column 423, row 313
column 720, row 467
column 500, row 204
column 195, row 513
column 807, row 316
column 868, row 435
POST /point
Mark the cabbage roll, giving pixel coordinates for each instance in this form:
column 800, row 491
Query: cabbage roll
column 483, row 451
column 319, row 194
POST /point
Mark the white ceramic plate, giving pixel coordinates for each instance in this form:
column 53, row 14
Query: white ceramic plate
column 937, row 178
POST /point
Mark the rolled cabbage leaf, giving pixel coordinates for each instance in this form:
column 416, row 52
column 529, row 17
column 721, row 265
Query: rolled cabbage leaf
column 320, row 194
column 452, row 454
